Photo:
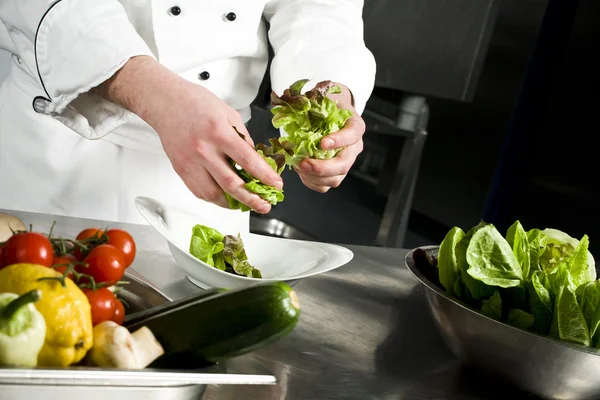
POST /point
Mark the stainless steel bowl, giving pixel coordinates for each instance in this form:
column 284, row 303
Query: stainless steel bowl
column 537, row 364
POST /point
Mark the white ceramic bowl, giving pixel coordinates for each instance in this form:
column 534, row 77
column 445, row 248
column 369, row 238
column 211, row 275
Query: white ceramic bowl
column 277, row 259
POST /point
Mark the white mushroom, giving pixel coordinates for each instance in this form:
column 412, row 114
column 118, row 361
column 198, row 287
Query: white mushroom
column 8, row 224
column 115, row 347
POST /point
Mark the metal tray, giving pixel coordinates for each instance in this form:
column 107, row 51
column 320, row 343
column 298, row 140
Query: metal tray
column 74, row 382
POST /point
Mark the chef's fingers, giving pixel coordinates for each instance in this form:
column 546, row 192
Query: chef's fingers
column 253, row 163
column 318, row 187
column 350, row 134
column 240, row 127
column 321, row 185
column 203, row 186
column 338, row 165
column 231, row 183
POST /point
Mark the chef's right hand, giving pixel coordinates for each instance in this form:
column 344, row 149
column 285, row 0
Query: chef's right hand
column 196, row 129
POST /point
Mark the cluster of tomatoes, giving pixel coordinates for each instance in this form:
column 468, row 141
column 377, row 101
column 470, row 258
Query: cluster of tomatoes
column 95, row 261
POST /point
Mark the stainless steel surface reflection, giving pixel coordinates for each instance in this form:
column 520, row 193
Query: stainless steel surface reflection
column 538, row 364
column 365, row 332
column 275, row 227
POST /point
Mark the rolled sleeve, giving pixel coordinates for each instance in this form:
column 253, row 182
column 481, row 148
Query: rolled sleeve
column 320, row 40
column 70, row 47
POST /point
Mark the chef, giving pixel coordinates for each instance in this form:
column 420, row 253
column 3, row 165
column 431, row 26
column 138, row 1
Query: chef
column 109, row 100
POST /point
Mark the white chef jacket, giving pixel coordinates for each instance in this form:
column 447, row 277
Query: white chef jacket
column 67, row 151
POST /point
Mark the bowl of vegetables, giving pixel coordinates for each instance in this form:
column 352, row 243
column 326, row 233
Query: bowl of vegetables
column 524, row 306
column 213, row 255
column 75, row 312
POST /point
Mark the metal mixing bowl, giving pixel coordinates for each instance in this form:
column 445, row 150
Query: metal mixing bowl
column 537, row 364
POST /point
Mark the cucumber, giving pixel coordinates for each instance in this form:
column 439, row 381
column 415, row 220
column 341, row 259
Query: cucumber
column 139, row 316
column 224, row 325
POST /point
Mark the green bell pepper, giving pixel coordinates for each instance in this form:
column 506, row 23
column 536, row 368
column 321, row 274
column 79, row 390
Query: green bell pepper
column 22, row 329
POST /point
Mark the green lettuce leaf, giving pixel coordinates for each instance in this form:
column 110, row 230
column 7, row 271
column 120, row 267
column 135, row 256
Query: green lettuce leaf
column 477, row 289
column 540, row 304
column 563, row 250
column 276, row 159
column 520, row 319
column 492, row 307
column 537, row 246
column 540, row 280
column 491, row 259
column 568, row 322
column 447, row 262
column 519, row 242
column 224, row 252
column 306, row 119
column 588, row 297
column 206, row 245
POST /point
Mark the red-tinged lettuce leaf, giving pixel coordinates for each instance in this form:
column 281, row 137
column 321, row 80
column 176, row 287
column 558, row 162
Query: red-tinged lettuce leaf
column 236, row 258
column 306, row 119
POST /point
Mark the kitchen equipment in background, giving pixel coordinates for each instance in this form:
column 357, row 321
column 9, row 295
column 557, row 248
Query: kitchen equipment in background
column 399, row 179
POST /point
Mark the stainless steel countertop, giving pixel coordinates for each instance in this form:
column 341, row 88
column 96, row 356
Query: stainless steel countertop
column 364, row 332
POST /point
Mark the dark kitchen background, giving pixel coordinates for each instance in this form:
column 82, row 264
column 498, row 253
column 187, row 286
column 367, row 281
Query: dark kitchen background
column 487, row 106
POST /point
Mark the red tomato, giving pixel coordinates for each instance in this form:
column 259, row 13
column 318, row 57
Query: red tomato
column 87, row 234
column 28, row 247
column 106, row 263
column 119, row 315
column 123, row 241
column 66, row 259
column 103, row 303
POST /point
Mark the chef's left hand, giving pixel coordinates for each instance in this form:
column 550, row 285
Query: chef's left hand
column 322, row 175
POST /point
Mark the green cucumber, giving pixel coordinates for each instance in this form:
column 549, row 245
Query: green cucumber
column 140, row 316
column 224, row 325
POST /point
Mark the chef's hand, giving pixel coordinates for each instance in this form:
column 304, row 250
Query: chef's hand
column 322, row 175
column 196, row 129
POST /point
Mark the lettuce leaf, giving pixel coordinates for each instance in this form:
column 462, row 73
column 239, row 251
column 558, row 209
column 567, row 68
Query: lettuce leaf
column 539, row 280
column 491, row 259
column 519, row 242
column 564, row 250
column 492, row 307
column 224, row 252
column 276, row 159
column 448, row 269
column 588, row 297
column 306, row 119
column 235, row 257
column 540, row 304
column 569, row 322
column 520, row 319
column 206, row 245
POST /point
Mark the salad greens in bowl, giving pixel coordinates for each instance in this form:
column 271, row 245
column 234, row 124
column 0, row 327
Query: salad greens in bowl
column 216, row 253
column 523, row 305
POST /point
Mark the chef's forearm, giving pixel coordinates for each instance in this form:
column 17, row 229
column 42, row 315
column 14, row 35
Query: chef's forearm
column 139, row 86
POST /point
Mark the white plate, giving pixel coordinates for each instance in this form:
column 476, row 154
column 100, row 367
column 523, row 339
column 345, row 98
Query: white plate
column 277, row 259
